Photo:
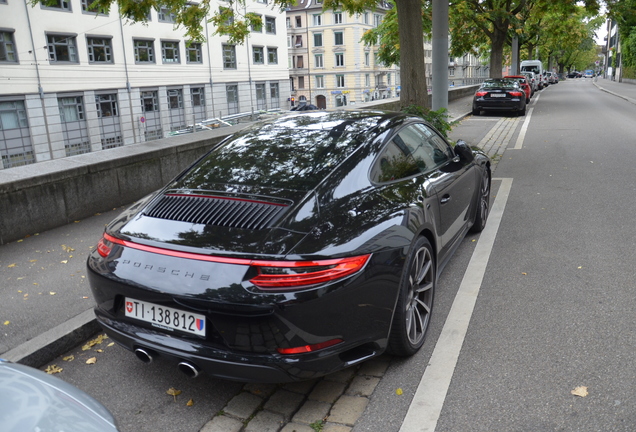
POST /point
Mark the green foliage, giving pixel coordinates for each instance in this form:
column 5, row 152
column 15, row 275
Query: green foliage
column 317, row 425
column 438, row 118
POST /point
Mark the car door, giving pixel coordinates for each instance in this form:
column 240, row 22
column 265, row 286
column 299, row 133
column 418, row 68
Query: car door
column 454, row 184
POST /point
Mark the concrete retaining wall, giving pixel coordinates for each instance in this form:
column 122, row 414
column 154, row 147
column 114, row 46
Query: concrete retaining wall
column 46, row 195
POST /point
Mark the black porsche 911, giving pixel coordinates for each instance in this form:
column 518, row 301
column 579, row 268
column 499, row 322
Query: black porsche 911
column 293, row 249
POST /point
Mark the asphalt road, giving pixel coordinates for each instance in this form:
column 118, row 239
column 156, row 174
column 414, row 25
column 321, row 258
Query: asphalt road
column 554, row 309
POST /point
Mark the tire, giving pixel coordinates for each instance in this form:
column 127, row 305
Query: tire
column 415, row 302
column 523, row 111
column 483, row 205
column 476, row 112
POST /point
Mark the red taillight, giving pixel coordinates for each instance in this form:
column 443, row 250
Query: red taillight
column 481, row 93
column 104, row 247
column 515, row 93
column 284, row 275
column 272, row 275
column 309, row 348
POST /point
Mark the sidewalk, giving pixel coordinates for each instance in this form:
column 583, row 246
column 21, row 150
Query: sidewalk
column 622, row 90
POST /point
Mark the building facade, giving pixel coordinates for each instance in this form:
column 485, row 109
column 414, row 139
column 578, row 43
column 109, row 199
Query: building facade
column 76, row 81
column 328, row 65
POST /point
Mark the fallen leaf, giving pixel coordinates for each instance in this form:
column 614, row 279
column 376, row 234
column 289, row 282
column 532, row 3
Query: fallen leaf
column 64, row 261
column 20, row 241
column 53, row 369
column 33, row 260
column 190, row 402
column 11, row 265
column 580, row 391
column 84, row 297
column 92, row 343
column 399, row 392
column 52, row 292
column 26, row 295
column 173, row 392
column 111, row 344
column 580, row 267
column 524, row 273
column 91, row 360
column 7, row 322
column 99, row 350
column 69, row 358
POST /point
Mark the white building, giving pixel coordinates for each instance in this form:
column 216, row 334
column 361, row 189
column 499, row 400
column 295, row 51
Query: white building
column 73, row 81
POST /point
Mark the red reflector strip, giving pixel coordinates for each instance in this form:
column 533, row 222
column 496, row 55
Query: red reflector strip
column 309, row 348
column 331, row 268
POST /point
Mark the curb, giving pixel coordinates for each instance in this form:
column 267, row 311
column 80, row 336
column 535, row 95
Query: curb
column 628, row 99
column 54, row 342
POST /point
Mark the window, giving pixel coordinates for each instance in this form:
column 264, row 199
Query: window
column 317, row 19
column 261, row 96
column 338, row 38
column 274, row 95
column 270, row 25
column 388, row 79
column 258, row 55
column 100, row 50
column 12, row 115
column 377, row 20
column 257, row 27
column 288, row 22
column 144, row 51
column 272, row 55
column 367, row 80
column 365, row 17
column 15, row 139
column 198, row 96
column 337, row 17
column 231, row 92
column 88, row 6
column 317, row 39
column 149, row 101
column 299, row 41
column 376, row 57
column 193, row 52
column 367, row 59
column 64, row 5
column 170, row 52
column 62, row 48
column 106, row 105
column 165, row 15
column 175, row 99
column 320, row 81
column 318, row 61
column 7, row 47
column 74, row 128
column 299, row 21
column 299, row 62
column 340, row 81
column 340, row 59
column 229, row 57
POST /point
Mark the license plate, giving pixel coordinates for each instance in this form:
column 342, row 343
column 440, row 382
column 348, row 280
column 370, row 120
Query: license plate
column 166, row 318
column 497, row 95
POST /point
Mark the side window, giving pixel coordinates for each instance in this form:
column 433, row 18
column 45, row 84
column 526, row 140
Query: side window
column 442, row 152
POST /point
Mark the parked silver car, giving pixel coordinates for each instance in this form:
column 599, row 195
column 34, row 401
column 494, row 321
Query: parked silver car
column 532, row 80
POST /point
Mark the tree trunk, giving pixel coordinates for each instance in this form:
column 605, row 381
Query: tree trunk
column 412, row 71
column 496, row 52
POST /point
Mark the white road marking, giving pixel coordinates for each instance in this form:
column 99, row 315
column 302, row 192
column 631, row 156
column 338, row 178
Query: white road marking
column 524, row 129
column 428, row 401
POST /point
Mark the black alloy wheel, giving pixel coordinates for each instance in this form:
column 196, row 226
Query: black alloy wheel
column 415, row 303
column 483, row 206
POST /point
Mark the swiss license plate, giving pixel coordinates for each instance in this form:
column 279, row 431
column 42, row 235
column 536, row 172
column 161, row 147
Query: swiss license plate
column 497, row 95
column 166, row 318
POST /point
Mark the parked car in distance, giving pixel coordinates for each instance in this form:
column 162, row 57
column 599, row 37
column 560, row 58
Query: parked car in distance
column 589, row 73
column 532, row 80
column 33, row 400
column 555, row 76
column 535, row 66
column 573, row 74
column 294, row 248
column 500, row 94
column 523, row 82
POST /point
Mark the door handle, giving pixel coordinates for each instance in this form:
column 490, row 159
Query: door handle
column 445, row 199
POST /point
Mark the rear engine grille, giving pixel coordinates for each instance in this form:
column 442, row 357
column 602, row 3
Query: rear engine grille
column 218, row 211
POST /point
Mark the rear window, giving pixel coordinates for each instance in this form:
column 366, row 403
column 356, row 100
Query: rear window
column 499, row 84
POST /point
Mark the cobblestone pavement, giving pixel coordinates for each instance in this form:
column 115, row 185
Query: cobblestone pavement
column 330, row 404
column 499, row 137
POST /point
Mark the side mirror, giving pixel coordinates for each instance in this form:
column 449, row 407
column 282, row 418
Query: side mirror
column 463, row 150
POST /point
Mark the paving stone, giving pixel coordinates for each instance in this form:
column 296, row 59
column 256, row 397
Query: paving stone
column 327, row 391
column 362, row 385
column 260, row 389
column 265, row 421
column 222, row 424
column 303, row 387
column 375, row 367
column 343, row 376
column 243, row 405
column 311, row 411
column 333, row 427
column 284, row 402
column 295, row 427
column 348, row 409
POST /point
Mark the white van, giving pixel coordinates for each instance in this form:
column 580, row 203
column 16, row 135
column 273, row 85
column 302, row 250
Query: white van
column 537, row 67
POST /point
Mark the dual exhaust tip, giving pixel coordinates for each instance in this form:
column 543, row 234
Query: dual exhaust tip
column 187, row 368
